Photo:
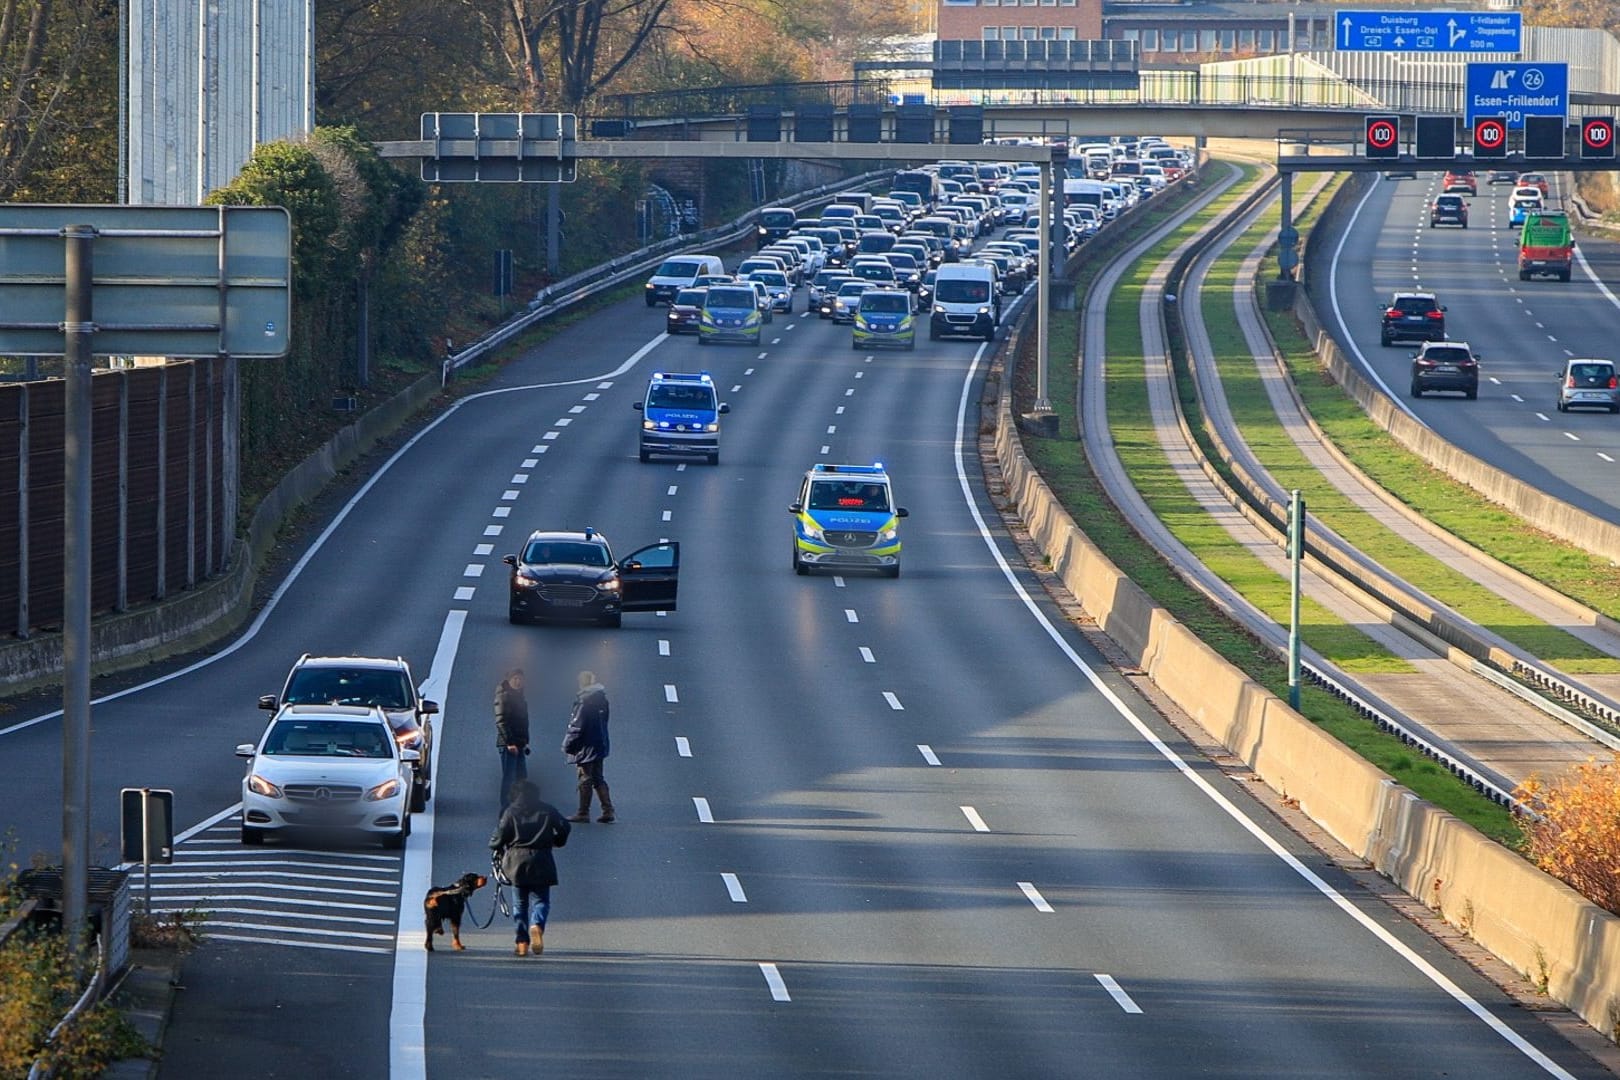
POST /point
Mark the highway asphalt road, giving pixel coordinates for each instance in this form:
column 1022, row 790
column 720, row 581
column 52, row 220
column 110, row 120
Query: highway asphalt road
column 866, row 827
column 1524, row 330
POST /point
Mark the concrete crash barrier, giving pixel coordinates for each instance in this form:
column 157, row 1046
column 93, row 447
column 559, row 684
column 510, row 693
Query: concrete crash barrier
column 1532, row 921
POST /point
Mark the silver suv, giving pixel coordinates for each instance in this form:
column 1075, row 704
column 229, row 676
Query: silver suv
column 1588, row 384
column 370, row 682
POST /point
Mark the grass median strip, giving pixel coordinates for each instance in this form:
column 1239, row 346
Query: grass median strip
column 1451, row 505
column 1136, row 441
column 1062, row 463
column 1276, row 450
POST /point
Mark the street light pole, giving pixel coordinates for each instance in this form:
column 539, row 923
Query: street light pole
column 1296, row 555
column 77, row 330
column 1043, row 287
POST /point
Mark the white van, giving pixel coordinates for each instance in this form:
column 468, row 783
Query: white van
column 862, row 199
column 966, row 302
column 680, row 272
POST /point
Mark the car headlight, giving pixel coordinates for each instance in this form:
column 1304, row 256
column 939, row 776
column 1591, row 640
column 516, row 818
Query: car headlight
column 649, row 425
column 385, row 790
column 984, row 311
column 888, row 534
column 706, row 319
column 763, row 231
column 860, row 321
column 711, row 427
column 939, row 309
column 260, row 786
column 812, row 531
column 522, row 582
column 650, row 285
column 408, row 740
column 608, row 585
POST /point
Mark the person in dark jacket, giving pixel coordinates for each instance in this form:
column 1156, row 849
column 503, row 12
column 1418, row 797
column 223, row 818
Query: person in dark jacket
column 523, row 841
column 586, row 746
column 511, row 731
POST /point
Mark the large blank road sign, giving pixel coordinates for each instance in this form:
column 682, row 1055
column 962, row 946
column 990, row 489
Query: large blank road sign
column 499, row 147
column 157, row 281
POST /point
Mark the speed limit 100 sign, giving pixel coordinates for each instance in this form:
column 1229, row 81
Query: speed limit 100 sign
column 1597, row 137
column 1383, row 137
column 1490, row 137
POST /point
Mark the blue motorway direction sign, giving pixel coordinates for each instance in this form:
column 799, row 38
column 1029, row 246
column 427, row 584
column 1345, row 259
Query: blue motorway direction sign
column 1388, row 30
column 1516, row 90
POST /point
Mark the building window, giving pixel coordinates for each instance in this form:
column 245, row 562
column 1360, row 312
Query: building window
column 1150, row 41
column 990, row 3
column 1246, row 39
column 1129, row 35
column 1029, row 33
column 1066, row 33
column 1268, row 40
column 1206, row 41
column 1048, row 33
column 1189, row 41
column 1009, row 33
column 1228, row 40
column 960, row 3
column 1066, row 3
column 991, row 33
column 1169, row 42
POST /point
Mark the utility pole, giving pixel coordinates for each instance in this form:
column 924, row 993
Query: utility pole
column 1296, row 555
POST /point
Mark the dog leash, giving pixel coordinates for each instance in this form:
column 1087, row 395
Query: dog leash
column 500, row 902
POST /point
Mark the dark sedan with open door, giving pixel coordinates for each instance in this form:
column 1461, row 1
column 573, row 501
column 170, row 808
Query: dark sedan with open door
column 574, row 577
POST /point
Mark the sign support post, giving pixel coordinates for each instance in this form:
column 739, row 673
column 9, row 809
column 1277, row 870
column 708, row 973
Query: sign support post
column 1296, row 554
column 77, row 328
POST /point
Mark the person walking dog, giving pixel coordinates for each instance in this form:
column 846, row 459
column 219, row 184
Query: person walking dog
column 511, row 731
column 523, row 841
column 586, row 746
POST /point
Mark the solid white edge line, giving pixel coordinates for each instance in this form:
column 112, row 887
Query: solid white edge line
column 1344, row 329
column 1428, row 970
column 337, row 521
column 1033, row 895
column 974, row 819
column 773, row 979
column 734, row 888
column 1118, row 993
column 407, row 1038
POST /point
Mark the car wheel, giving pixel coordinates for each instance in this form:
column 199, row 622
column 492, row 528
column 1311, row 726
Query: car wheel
column 1563, row 275
column 855, row 345
column 513, row 617
column 892, row 571
column 651, row 302
column 1560, row 405
column 1386, row 342
column 1524, row 275
column 419, row 798
column 990, row 335
column 613, row 621
column 911, row 346
column 396, row 841
column 800, row 567
column 645, row 457
column 1614, row 409
column 933, row 335
column 714, row 459
column 1417, row 391
column 252, row 836
column 1471, row 393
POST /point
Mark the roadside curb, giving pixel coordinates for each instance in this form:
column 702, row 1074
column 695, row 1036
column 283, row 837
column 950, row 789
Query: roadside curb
column 146, row 998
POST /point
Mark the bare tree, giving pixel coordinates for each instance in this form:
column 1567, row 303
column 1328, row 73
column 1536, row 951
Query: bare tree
column 43, row 44
column 568, row 50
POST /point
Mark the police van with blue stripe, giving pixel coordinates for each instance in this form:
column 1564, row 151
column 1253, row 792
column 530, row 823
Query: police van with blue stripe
column 845, row 517
column 680, row 416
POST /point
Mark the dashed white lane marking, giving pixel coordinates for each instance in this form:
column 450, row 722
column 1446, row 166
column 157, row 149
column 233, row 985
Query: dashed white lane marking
column 703, row 812
column 672, row 489
column 1552, row 339
column 1034, row 896
column 734, row 888
column 509, row 495
column 663, row 647
column 850, row 616
column 604, row 385
column 776, row 341
column 860, row 374
column 529, row 463
column 868, row 360
column 838, row 581
column 520, row 478
column 1572, row 436
column 591, row 397
column 838, row 411
column 1539, row 326
column 577, row 409
column 1569, row 352
column 502, row 511
column 670, row 695
column 894, row 702
column 669, row 515
column 549, row 436
column 1119, row 995
column 1604, row 456
column 562, row 421
column 474, row 569
column 826, row 449
column 679, row 468
column 1517, row 398
column 494, row 530
column 1494, row 380
column 465, row 592
column 866, row 655
column 851, row 391
column 1542, row 416
column 773, row 979
column 927, row 753
column 484, row 549
column 540, row 449
column 662, row 614
column 832, row 429
column 974, row 819
column 683, row 746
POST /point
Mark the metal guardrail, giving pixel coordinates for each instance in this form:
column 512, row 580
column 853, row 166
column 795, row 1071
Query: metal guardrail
column 39, row 1070
column 1455, row 760
column 571, row 290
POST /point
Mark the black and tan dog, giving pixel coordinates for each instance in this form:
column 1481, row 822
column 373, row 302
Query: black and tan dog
column 446, row 905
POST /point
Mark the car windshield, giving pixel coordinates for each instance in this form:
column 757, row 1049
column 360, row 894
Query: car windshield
column 889, row 303
column 1449, row 355
column 1413, row 305
column 872, row 272
column 777, row 219
column 962, row 291
column 320, row 685
column 853, row 288
column 682, row 268
column 849, row 495
column 901, row 261
column 327, row 738
column 774, row 278
column 679, row 396
column 1449, row 201
column 730, row 298
column 566, row 552
column 689, row 297
column 1591, row 372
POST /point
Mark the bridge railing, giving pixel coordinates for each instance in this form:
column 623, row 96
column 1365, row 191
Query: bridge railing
column 735, row 100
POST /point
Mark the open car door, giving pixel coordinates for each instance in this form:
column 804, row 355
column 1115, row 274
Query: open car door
column 648, row 578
